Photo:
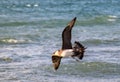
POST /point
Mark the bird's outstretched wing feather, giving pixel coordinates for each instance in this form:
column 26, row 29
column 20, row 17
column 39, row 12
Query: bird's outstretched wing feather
column 79, row 49
column 66, row 35
column 56, row 61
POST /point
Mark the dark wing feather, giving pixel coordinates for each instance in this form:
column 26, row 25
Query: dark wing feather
column 79, row 49
column 66, row 35
column 56, row 61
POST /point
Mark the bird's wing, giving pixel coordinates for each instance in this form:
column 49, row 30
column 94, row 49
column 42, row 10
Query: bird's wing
column 56, row 61
column 79, row 49
column 66, row 35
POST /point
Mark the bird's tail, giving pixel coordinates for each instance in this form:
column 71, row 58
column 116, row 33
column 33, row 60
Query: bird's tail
column 79, row 50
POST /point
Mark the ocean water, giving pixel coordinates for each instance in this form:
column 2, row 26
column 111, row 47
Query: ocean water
column 30, row 31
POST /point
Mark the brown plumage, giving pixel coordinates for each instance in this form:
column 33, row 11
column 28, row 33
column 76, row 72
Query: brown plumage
column 66, row 35
column 78, row 49
column 67, row 49
column 56, row 61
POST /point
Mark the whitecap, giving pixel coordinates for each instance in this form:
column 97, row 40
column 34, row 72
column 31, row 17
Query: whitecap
column 10, row 40
column 111, row 19
column 28, row 5
column 112, row 16
column 36, row 5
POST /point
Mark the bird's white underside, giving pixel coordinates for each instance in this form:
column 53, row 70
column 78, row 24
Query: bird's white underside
column 66, row 53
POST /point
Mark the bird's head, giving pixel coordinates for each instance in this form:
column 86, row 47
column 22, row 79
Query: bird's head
column 56, row 53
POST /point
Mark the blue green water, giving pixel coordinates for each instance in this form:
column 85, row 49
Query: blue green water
column 30, row 31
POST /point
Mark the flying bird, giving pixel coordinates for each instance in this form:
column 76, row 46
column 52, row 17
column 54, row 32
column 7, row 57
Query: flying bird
column 67, row 50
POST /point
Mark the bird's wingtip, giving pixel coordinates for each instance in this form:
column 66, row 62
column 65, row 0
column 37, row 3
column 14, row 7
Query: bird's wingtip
column 56, row 62
column 72, row 22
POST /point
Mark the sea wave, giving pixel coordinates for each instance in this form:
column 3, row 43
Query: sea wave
column 101, row 41
column 94, row 69
column 12, row 41
column 100, row 20
column 56, row 21
column 17, row 23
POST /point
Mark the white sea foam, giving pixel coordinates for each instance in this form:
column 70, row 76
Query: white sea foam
column 112, row 18
column 10, row 40
column 36, row 5
column 28, row 5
